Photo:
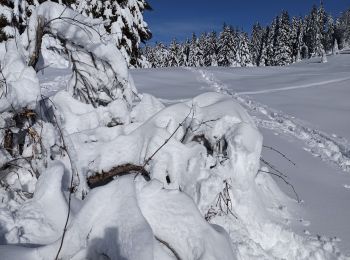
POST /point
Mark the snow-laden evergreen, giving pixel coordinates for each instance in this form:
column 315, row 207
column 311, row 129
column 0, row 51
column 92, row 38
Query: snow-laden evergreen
column 256, row 43
column 123, row 20
column 283, row 47
column 243, row 54
column 226, row 45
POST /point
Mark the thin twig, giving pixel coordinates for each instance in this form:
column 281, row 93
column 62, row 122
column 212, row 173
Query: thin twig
column 169, row 247
column 68, row 215
column 168, row 139
column 282, row 154
column 272, row 167
column 71, row 188
column 285, row 181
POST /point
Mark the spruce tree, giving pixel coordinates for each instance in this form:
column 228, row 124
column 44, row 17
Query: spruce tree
column 210, row 49
column 342, row 30
column 296, row 38
column 311, row 31
column 271, row 33
column 195, row 57
column 243, row 53
column 149, row 53
column 174, row 54
column 283, row 44
column 329, row 38
column 226, row 47
column 162, row 55
column 185, row 52
column 13, row 18
column 315, row 30
column 263, row 49
column 256, row 43
column 123, row 20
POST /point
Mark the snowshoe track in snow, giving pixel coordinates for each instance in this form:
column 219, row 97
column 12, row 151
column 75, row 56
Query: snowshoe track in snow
column 330, row 148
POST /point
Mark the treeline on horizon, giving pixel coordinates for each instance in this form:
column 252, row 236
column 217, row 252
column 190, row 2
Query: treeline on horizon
column 284, row 41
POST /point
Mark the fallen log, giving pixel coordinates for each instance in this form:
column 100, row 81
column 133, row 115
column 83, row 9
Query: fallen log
column 121, row 170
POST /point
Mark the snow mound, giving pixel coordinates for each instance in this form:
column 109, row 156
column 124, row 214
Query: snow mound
column 19, row 86
column 205, row 200
column 193, row 238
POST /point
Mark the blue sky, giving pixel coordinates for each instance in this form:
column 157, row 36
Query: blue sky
column 179, row 18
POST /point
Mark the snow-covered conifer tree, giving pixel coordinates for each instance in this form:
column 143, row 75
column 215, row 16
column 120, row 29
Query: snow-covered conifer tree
column 195, row 58
column 311, row 31
column 243, row 53
column 174, row 54
column 314, row 31
column 226, row 47
column 342, row 31
column 162, row 55
column 263, row 49
column 271, row 33
column 13, row 18
column 256, row 43
column 329, row 37
column 185, row 52
column 283, row 44
column 210, row 49
column 296, row 38
column 149, row 53
column 123, row 20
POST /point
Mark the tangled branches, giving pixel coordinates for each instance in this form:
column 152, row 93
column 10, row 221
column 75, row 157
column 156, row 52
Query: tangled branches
column 223, row 204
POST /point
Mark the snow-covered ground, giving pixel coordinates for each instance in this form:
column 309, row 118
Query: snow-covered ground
column 92, row 169
column 198, row 157
column 303, row 111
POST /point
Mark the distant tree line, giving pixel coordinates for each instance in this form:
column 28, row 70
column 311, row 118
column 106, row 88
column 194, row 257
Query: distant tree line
column 284, row 41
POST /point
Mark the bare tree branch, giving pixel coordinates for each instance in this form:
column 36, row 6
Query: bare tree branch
column 280, row 153
column 167, row 140
column 285, row 181
column 272, row 167
column 169, row 247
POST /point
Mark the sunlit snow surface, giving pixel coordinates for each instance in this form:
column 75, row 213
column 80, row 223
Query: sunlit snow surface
column 303, row 110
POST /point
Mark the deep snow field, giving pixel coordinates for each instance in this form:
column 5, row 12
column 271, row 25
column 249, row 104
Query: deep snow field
column 303, row 111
